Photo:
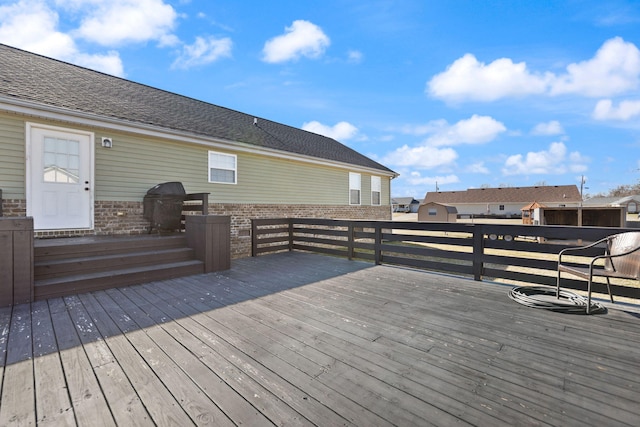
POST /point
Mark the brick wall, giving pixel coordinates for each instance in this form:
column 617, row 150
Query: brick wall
column 126, row 218
column 14, row 207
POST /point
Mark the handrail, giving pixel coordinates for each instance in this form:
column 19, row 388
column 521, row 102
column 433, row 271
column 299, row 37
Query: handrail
column 497, row 252
column 194, row 202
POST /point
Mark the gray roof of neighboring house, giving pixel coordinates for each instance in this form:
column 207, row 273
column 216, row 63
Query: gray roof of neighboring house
column 524, row 195
column 30, row 77
column 608, row 201
column 403, row 200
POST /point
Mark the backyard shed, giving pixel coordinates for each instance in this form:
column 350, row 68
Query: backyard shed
column 529, row 211
column 603, row 216
column 437, row 212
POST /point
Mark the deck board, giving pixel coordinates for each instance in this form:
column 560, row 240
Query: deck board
column 301, row 339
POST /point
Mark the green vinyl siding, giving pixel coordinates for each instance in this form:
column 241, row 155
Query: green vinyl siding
column 135, row 163
column 12, row 157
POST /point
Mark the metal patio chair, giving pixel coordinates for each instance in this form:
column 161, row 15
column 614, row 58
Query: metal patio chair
column 621, row 260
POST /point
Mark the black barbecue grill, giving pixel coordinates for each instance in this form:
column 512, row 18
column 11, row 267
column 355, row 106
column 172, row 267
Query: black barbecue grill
column 162, row 206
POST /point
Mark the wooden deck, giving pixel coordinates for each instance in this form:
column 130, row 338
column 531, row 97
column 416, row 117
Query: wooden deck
column 301, row 339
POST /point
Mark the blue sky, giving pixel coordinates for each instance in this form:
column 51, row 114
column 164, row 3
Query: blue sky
column 455, row 94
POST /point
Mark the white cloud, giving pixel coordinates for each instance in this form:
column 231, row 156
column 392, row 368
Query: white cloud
column 31, row 25
column 109, row 63
column 549, row 128
column 302, row 38
column 355, row 56
column 426, row 155
column 626, row 110
column 203, row 51
column 422, row 157
column 474, row 130
column 341, row 131
column 478, row 167
column 613, row 70
column 116, row 22
column 554, row 161
column 467, row 78
column 415, row 178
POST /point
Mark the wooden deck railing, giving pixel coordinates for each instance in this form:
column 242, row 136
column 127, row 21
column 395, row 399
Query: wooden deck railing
column 194, row 203
column 515, row 253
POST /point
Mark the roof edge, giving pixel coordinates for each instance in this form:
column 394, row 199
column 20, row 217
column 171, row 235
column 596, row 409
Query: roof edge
column 50, row 112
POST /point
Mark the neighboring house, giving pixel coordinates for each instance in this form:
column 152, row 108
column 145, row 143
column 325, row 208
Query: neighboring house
column 405, row 204
column 506, row 201
column 79, row 149
column 631, row 203
column 437, row 212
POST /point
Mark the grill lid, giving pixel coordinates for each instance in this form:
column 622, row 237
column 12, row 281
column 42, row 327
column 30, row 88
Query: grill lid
column 173, row 188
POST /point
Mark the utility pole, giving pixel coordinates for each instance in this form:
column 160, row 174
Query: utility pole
column 582, row 187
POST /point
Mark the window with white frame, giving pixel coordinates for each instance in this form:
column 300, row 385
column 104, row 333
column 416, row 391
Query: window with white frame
column 376, row 190
column 223, row 168
column 354, row 188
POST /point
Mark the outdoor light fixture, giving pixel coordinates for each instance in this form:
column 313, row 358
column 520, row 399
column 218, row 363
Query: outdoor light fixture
column 107, row 142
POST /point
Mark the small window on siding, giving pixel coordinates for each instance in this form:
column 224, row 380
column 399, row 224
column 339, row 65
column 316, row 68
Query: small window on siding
column 376, row 190
column 433, row 212
column 222, row 168
column 354, row 188
column 501, row 207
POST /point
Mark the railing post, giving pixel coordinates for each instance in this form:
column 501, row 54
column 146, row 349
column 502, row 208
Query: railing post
column 210, row 237
column 350, row 240
column 16, row 261
column 290, row 220
column 377, row 245
column 254, row 238
column 478, row 251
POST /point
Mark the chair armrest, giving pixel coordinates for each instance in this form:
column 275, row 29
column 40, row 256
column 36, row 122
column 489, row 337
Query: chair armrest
column 579, row 248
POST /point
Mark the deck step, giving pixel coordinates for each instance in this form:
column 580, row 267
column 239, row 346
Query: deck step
column 80, row 283
column 51, row 249
column 76, row 265
column 97, row 263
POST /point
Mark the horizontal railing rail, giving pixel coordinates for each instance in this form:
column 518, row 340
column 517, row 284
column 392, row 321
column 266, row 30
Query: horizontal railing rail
column 497, row 252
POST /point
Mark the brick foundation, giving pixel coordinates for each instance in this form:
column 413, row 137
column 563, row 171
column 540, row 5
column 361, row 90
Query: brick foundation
column 123, row 218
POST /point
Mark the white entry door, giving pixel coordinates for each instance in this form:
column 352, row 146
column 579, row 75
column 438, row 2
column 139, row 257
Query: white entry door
column 59, row 178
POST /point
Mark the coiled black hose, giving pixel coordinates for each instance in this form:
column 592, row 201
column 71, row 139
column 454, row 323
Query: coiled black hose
column 545, row 297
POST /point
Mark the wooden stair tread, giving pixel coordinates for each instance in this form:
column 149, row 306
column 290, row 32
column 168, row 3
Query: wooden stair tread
column 77, row 247
column 77, row 265
column 92, row 258
column 115, row 273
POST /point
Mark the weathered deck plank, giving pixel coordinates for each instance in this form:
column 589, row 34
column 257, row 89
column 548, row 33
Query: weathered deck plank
column 300, row 339
column 52, row 399
column 18, row 397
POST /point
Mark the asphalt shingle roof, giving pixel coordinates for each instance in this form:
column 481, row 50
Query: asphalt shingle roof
column 30, row 77
column 541, row 194
column 604, row 201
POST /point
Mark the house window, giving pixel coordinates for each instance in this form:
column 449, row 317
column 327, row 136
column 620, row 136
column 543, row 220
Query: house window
column 376, row 190
column 354, row 188
column 501, row 207
column 222, row 168
column 433, row 211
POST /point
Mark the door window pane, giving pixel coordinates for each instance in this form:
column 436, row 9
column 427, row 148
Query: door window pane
column 61, row 160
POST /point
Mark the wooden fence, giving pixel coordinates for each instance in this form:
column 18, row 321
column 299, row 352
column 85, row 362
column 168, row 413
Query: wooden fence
column 519, row 254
